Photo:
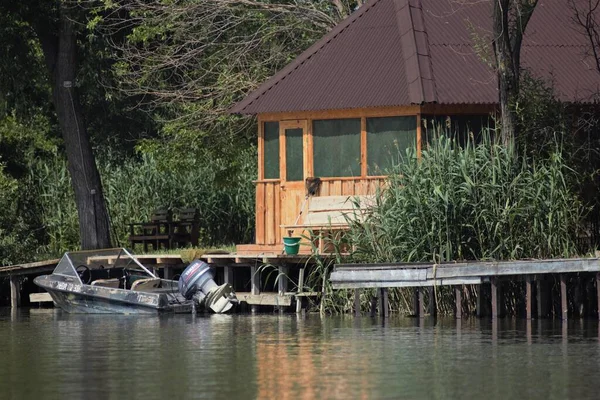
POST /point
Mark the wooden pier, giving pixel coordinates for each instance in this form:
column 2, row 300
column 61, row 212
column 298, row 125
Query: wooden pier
column 424, row 276
column 262, row 279
column 17, row 273
column 288, row 284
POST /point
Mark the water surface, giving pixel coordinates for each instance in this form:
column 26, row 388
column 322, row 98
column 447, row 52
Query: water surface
column 49, row 354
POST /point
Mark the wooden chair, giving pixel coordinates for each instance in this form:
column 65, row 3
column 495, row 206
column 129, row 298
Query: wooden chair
column 187, row 227
column 159, row 231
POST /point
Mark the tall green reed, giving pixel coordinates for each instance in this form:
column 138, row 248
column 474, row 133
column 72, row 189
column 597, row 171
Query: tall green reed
column 473, row 201
column 134, row 188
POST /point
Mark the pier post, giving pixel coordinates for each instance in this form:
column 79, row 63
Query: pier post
column 15, row 291
column 282, row 283
column 300, row 289
column 282, row 280
column 598, row 293
column 374, row 301
column 167, row 272
column 255, row 285
column 357, row 302
column 494, row 286
column 228, row 275
column 458, row 294
column 415, row 302
column 421, row 301
column 384, row 303
column 542, row 297
column 563, row 297
column 528, row 296
column 478, row 302
column 432, row 307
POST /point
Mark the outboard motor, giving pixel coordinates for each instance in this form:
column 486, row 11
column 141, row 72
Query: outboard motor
column 197, row 283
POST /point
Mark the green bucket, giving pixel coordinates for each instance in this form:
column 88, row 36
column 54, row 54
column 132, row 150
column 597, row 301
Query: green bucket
column 291, row 245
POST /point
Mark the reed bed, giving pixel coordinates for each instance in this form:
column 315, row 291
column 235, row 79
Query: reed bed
column 476, row 201
column 134, row 188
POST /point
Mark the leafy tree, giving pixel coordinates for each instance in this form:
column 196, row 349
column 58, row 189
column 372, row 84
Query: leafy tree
column 51, row 28
column 188, row 61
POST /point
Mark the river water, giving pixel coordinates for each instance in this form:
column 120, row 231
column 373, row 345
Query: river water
column 48, row 354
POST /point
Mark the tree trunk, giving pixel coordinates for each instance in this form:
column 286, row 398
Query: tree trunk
column 507, row 80
column 510, row 19
column 60, row 52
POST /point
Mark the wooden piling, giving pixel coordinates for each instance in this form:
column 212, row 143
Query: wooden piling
column 528, row 296
column 300, row 289
column 431, row 307
column 15, row 291
column 421, row 302
column 598, row 294
column 374, row 301
column 543, row 297
column 255, row 285
column 282, row 280
column 494, row 285
column 458, row 294
column 384, row 304
column 415, row 302
column 228, row 275
column 357, row 302
column 479, row 302
column 282, row 283
column 563, row 297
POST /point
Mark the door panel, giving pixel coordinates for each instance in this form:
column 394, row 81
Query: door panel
column 292, row 167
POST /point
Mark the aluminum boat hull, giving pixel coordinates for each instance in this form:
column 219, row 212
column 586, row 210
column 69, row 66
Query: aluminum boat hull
column 74, row 297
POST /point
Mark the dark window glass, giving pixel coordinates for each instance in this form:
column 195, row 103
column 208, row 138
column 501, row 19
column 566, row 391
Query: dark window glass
column 271, row 150
column 294, row 163
column 336, row 147
column 387, row 141
column 459, row 127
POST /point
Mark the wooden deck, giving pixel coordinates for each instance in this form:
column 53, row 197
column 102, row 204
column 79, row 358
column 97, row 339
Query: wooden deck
column 427, row 275
column 166, row 262
column 279, row 296
column 256, row 261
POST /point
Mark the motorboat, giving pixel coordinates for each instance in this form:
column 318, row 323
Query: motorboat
column 115, row 281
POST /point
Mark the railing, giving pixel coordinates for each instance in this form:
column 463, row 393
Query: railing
column 268, row 202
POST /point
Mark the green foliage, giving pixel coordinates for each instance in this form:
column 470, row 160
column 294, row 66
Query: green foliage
column 16, row 242
column 134, row 188
column 480, row 201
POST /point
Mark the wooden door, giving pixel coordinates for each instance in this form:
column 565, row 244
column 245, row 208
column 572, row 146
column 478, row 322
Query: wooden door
column 294, row 169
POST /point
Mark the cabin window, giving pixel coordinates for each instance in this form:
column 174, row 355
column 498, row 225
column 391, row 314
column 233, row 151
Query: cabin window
column 387, row 141
column 336, row 147
column 459, row 127
column 294, row 158
column 271, row 150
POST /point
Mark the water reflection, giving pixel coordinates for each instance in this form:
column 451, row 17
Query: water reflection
column 50, row 354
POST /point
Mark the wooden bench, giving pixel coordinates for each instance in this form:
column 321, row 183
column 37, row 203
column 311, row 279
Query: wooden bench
column 187, row 227
column 156, row 232
column 327, row 215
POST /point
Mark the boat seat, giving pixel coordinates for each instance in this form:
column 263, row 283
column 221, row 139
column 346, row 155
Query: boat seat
column 146, row 285
column 111, row 283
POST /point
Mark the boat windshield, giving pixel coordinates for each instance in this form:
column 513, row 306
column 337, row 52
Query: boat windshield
column 74, row 263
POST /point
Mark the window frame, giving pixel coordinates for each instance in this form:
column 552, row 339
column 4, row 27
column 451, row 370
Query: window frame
column 305, row 120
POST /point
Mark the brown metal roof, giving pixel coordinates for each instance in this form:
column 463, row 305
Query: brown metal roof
column 401, row 52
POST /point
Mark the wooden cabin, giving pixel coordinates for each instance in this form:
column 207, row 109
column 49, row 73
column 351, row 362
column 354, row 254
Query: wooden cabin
column 374, row 85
